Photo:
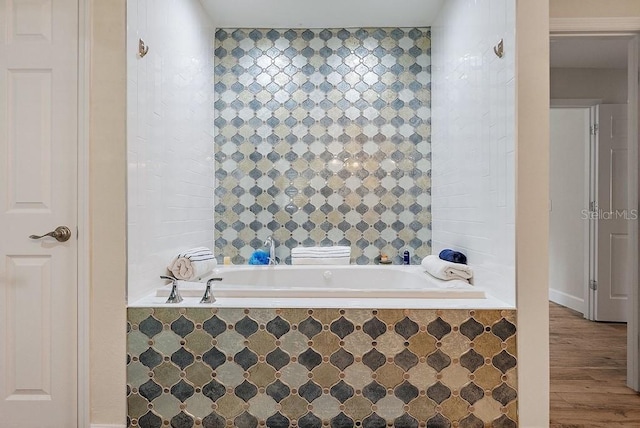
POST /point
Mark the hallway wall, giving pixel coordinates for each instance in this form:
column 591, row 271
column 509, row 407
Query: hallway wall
column 608, row 85
column 568, row 193
column 594, row 8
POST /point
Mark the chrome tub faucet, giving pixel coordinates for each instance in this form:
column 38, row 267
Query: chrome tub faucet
column 174, row 296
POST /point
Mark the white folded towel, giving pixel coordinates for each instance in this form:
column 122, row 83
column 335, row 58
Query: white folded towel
column 193, row 263
column 443, row 269
column 320, row 261
column 321, row 252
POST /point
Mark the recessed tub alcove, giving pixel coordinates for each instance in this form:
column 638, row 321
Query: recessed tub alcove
column 373, row 354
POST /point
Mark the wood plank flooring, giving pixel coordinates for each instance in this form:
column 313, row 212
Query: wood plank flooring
column 588, row 373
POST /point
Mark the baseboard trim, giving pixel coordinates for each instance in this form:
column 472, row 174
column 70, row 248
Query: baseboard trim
column 567, row 300
column 107, row 426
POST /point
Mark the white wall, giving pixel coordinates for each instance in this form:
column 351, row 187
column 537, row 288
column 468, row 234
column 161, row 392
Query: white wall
column 608, row 85
column 473, row 139
column 322, row 14
column 170, row 136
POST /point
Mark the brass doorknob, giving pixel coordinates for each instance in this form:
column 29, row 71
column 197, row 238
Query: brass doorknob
column 61, row 234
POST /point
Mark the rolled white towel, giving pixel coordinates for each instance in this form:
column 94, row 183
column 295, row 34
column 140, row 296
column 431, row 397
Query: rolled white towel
column 321, row 252
column 443, row 269
column 320, row 261
column 193, row 263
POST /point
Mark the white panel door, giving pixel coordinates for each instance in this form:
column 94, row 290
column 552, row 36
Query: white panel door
column 612, row 248
column 38, row 192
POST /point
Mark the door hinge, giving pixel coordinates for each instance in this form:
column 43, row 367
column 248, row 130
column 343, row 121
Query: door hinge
column 593, row 129
column 593, row 206
column 593, row 284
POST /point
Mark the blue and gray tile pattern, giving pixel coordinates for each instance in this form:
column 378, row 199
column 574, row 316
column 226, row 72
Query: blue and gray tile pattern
column 322, row 137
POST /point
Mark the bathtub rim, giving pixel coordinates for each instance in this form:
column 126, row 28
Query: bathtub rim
column 488, row 302
column 433, row 288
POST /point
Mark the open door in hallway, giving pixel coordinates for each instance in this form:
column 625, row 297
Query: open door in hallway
column 610, row 282
column 38, row 193
column 569, row 198
column 588, row 227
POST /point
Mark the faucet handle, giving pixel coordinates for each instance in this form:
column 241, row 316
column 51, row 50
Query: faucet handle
column 174, row 296
column 208, row 297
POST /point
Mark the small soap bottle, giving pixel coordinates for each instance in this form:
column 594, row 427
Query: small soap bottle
column 227, row 260
column 406, row 258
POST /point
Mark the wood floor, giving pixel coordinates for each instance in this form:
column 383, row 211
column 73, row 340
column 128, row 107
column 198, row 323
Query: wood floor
column 588, row 373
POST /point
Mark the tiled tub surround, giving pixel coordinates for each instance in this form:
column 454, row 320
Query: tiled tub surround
column 321, row 367
column 322, row 137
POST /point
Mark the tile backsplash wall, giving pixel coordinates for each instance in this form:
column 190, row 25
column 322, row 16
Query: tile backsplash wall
column 322, row 137
column 169, row 133
column 474, row 139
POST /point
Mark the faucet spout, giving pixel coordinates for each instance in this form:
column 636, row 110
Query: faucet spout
column 271, row 245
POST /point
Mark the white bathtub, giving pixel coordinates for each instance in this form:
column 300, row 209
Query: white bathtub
column 328, row 282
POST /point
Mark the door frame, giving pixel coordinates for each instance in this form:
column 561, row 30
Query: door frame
column 633, row 341
column 589, row 27
column 84, row 265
